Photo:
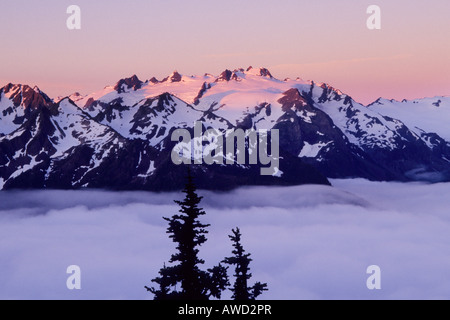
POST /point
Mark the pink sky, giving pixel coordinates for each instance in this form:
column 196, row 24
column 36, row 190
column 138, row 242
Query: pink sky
column 326, row 41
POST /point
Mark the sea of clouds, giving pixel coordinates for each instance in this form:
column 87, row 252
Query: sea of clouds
column 307, row 242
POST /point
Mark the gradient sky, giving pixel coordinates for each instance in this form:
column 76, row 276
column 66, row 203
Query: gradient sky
column 326, row 41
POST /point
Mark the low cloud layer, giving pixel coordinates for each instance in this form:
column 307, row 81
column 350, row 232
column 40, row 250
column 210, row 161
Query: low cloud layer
column 307, row 242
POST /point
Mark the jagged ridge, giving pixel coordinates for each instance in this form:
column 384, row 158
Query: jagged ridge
column 120, row 137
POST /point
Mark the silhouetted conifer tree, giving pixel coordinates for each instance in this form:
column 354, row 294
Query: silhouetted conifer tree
column 188, row 232
column 241, row 261
column 165, row 283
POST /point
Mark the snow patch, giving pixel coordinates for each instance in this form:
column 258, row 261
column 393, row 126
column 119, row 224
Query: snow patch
column 278, row 173
column 312, row 150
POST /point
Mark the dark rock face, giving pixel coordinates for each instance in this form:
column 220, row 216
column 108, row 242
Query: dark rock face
column 175, row 77
column 228, row 75
column 263, row 72
column 323, row 133
column 225, row 76
column 153, row 80
column 25, row 96
column 132, row 83
column 202, row 91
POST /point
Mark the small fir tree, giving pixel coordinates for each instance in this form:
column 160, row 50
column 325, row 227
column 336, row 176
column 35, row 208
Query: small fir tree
column 241, row 261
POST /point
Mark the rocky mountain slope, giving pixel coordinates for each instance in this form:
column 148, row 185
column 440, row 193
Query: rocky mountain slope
column 120, row 137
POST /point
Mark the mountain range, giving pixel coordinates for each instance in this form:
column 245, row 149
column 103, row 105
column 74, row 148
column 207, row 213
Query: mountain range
column 120, row 137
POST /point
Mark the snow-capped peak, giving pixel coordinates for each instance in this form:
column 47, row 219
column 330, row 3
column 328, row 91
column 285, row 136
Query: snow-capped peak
column 263, row 72
column 25, row 96
column 174, row 77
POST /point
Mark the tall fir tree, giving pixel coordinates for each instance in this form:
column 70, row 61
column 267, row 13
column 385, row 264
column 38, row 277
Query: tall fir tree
column 189, row 233
column 241, row 261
